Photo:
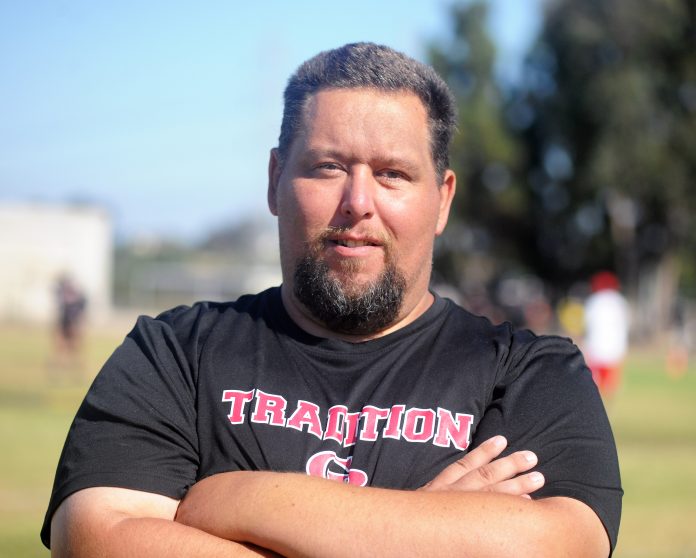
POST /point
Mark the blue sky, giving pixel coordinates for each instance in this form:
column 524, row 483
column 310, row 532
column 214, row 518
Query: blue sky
column 164, row 111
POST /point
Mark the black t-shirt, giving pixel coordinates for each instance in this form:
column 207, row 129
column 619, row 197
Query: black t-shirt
column 238, row 386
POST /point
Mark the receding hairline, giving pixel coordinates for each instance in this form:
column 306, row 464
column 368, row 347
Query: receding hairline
column 377, row 67
column 395, row 93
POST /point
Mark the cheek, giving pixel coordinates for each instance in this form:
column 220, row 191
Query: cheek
column 302, row 215
column 312, row 208
column 413, row 221
column 413, row 233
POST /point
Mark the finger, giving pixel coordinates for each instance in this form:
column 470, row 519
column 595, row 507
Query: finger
column 498, row 471
column 522, row 485
column 504, row 469
column 482, row 455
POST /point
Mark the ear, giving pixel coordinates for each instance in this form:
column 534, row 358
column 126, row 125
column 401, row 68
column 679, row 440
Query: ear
column 447, row 190
column 273, row 178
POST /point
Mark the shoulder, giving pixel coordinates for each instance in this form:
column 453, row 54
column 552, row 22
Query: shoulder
column 184, row 331
column 516, row 350
column 201, row 317
column 478, row 334
column 205, row 312
column 475, row 327
column 544, row 356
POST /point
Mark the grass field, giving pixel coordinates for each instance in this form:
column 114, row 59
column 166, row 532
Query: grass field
column 654, row 419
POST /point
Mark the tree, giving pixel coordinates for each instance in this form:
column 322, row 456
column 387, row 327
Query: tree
column 611, row 87
column 587, row 163
column 490, row 222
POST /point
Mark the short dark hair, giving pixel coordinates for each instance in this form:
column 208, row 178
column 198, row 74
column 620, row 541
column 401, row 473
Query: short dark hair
column 377, row 67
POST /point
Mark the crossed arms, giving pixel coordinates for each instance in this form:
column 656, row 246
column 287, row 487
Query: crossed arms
column 478, row 506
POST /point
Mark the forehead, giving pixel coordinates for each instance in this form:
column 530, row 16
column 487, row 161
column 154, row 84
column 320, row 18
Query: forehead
column 400, row 103
column 365, row 117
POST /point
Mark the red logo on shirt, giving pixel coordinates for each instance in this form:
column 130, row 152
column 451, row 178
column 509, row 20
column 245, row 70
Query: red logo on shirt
column 319, row 465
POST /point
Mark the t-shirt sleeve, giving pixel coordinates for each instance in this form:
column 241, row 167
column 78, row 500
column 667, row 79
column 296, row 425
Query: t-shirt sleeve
column 136, row 427
column 545, row 401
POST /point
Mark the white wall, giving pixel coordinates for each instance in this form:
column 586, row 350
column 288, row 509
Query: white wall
column 38, row 243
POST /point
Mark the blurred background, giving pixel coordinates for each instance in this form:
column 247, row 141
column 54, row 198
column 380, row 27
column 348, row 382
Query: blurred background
column 134, row 140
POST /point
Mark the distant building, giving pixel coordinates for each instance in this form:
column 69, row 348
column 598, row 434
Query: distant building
column 39, row 243
column 241, row 258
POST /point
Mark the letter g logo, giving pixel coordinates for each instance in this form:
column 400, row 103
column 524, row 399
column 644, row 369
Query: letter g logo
column 318, row 466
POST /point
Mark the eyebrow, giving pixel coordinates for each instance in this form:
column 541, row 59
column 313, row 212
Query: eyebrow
column 394, row 161
column 400, row 163
column 321, row 153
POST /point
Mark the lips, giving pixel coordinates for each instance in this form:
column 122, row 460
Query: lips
column 352, row 239
column 348, row 243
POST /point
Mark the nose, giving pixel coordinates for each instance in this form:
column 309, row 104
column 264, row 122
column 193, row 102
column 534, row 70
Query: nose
column 358, row 195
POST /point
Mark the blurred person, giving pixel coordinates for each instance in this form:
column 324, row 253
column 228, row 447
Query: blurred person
column 678, row 342
column 606, row 317
column 431, row 419
column 538, row 314
column 571, row 316
column 71, row 304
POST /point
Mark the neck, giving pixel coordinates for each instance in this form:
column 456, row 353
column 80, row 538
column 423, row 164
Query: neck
column 306, row 321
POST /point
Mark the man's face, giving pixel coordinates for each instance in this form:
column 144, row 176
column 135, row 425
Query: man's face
column 358, row 198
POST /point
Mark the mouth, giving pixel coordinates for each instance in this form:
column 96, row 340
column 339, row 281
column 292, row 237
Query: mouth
column 354, row 243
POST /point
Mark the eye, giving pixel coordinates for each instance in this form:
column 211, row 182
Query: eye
column 327, row 169
column 329, row 166
column 391, row 175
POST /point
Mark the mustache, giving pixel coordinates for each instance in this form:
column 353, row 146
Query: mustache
column 314, row 245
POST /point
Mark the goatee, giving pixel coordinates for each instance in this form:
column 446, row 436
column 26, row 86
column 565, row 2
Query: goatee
column 349, row 308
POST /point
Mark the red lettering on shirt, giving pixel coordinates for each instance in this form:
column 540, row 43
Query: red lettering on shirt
column 393, row 429
column 443, row 427
column 336, row 420
column 419, row 425
column 239, row 400
column 371, row 416
column 351, row 429
column 306, row 414
column 456, row 431
column 270, row 409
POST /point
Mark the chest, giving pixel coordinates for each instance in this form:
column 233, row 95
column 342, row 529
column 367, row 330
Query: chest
column 391, row 418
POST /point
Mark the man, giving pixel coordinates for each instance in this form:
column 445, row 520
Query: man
column 71, row 304
column 606, row 331
column 191, row 439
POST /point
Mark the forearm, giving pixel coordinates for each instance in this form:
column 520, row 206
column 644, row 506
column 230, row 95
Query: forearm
column 88, row 524
column 152, row 538
column 297, row 515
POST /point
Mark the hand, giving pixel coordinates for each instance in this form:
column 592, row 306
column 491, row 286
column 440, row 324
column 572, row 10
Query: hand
column 479, row 470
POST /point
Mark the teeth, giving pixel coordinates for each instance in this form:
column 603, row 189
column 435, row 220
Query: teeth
column 353, row 243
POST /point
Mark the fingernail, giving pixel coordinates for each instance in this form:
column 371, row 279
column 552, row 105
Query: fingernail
column 499, row 441
column 530, row 457
column 536, row 478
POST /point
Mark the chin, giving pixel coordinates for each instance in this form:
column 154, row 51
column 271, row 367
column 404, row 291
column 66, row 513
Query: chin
column 354, row 283
column 356, row 269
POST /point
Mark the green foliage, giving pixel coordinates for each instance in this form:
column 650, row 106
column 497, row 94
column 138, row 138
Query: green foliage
column 611, row 87
column 490, row 214
column 587, row 162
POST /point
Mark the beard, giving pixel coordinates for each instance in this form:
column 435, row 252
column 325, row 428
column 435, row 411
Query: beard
column 345, row 307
